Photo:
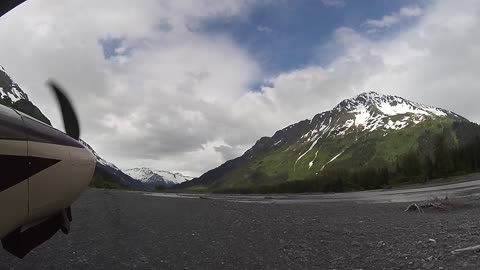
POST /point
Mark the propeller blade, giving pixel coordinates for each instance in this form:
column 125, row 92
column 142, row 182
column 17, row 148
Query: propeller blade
column 7, row 5
column 70, row 120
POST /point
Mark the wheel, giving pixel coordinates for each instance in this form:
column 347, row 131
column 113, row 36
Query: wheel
column 64, row 221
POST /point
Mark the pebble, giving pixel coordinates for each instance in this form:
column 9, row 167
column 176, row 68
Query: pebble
column 356, row 244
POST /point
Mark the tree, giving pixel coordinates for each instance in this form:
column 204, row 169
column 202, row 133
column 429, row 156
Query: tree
column 443, row 156
column 410, row 164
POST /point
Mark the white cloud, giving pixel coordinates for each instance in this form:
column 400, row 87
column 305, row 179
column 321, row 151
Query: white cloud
column 395, row 18
column 179, row 100
column 162, row 99
column 265, row 29
column 334, row 3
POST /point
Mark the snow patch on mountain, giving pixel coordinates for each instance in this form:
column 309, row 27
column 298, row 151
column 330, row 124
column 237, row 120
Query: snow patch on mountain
column 15, row 93
column 394, row 105
column 331, row 160
column 371, row 111
column 10, row 89
column 309, row 149
column 176, row 178
column 361, row 115
column 310, row 164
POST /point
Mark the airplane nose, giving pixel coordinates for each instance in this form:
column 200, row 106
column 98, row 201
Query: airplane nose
column 83, row 166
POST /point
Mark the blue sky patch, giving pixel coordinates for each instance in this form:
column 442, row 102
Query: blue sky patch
column 285, row 35
column 110, row 46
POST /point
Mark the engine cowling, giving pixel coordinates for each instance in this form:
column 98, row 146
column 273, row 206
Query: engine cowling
column 48, row 171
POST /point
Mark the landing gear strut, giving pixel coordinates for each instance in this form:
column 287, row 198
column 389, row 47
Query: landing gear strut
column 20, row 243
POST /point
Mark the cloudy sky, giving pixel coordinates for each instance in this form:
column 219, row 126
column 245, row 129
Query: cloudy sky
column 184, row 85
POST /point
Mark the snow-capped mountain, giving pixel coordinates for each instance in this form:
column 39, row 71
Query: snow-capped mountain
column 110, row 171
column 368, row 129
column 371, row 111
column 12, row 95
column 157, row 177
column 10, row 89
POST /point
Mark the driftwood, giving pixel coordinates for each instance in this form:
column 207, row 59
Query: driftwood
column 436, row 203
column 413, row 207
column 472, row 248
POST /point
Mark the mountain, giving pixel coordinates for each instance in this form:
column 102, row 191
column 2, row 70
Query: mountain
column 155, row 178
column 12, row 95
column 106, row 173
column 368, row 130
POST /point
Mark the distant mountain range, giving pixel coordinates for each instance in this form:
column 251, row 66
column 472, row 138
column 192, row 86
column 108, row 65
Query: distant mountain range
column 368, row 130
column 157, row 178
column 106, row 173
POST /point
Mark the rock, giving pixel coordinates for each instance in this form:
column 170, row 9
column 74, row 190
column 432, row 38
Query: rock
column 355, row 244
column 427, row 266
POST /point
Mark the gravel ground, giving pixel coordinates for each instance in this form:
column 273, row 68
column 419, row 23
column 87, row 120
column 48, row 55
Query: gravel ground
column 125, row 230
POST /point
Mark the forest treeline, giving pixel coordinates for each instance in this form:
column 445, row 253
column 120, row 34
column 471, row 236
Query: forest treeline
column 447, row 155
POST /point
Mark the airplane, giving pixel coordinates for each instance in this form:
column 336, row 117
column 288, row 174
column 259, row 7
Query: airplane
column 42, row 172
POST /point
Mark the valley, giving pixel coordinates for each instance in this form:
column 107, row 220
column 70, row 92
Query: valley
column 128, row 230
column 206, row 134
column 369, row 141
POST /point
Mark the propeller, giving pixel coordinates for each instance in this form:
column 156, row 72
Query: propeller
column 70, row 120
